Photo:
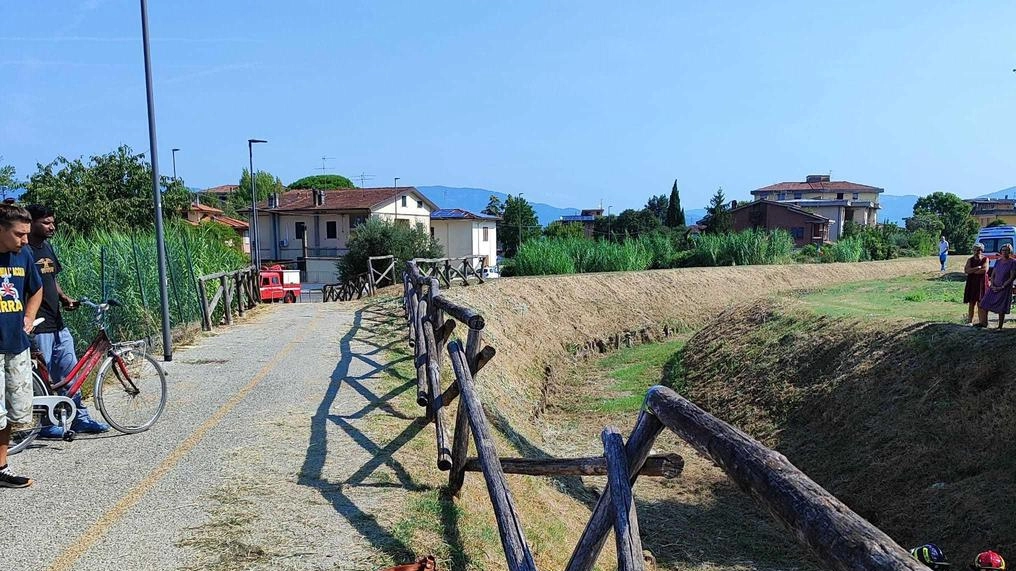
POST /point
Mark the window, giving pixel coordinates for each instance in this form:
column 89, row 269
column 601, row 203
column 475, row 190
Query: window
column 331, row 230
column 402, row 222
column 357, row 220
column 797, row 232
column 839, row 196
column 403, row 200
column 857, row 196
column 431, row 231
column 781, row 196
column 486, row 236
column 798, row 195
column 419, row 204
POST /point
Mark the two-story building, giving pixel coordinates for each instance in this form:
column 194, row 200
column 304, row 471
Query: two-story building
column 804, row 227
column 464, row 233
column 987, row 210
column 587, row 218
column 313, row 227
column 839, row 201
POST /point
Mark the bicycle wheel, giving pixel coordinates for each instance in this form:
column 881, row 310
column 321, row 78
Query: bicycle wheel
column 20, row 439
column 130, row 391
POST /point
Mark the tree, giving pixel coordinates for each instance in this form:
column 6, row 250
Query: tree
column 718, row 219
column 265, row 185
column 518, row 220
column 926, row 222
column 322, row 182
column 112, row 191
column 959, row 227
column 9, row 184
column 559, row 229
column 494, row 207
column 675, row 214
column 997, row 222
column 634, row 223
column 377, row 237
column 659, row 205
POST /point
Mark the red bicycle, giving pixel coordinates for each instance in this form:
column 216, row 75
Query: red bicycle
column 129, row 389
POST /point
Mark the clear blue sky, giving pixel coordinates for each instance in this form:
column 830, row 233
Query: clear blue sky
column 569, row 102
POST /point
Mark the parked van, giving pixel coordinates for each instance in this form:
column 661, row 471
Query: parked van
column 994, row 238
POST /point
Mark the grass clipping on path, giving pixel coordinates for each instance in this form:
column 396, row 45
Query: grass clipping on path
column 910, row 423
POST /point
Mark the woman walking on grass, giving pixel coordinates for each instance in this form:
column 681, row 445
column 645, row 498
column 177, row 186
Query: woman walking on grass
column 998, row 297
column 976, row 270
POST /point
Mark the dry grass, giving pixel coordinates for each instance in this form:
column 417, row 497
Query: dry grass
column 907, row 422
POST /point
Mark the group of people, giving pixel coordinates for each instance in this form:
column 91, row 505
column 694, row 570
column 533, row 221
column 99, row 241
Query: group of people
column 29, row 290
column 932, row 557
column 989, row 289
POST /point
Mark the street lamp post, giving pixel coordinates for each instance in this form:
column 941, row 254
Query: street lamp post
column 174, row 164
column 518, row 212
column 609, row 235
column 396, row 198
column 160, row 242
column 255, row 251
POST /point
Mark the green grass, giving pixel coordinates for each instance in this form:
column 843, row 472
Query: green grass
column 915, row 297
column 633, row 371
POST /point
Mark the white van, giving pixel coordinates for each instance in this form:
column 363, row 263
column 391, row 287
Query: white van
column 994, row 238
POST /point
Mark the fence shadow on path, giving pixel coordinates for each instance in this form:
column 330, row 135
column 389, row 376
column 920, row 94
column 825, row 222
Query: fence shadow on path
column 372, row 339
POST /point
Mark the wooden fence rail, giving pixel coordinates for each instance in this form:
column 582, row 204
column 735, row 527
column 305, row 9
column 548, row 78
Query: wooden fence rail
column 841, row 539
column 447, row 269
column 238, row 291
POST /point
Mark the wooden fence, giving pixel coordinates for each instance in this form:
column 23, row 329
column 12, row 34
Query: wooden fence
column 841, row 539
column 238, row 291
column 446, row 269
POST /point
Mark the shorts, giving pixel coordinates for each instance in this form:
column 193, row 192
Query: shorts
column 16, row 389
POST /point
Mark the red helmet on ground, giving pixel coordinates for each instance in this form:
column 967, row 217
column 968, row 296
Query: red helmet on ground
column 989, row 560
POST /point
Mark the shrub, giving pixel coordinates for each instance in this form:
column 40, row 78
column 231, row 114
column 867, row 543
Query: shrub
column 377, row 237
column 748, row 247
column 846, row 250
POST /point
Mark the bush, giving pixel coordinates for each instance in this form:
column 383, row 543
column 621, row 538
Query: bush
column 124, row 266
column 377, row 237
column 748, row 247
column 846, row 250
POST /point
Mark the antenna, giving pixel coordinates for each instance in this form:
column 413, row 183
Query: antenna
column 323, row 168
column 363, row 178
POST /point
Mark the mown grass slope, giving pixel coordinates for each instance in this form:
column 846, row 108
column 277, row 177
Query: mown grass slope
column 910, row 422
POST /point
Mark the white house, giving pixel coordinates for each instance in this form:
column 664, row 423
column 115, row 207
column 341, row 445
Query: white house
column 463, row 233
column 327, row 218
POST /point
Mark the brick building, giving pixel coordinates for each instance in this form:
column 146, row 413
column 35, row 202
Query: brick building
column 805, row 227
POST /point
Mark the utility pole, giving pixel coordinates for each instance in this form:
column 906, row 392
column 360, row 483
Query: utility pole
column 174, row 164
column 396, row 198
column 160, row 241
column 255, row 250
column 518, row 212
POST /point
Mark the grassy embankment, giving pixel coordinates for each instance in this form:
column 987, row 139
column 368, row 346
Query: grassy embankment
column 544, row 403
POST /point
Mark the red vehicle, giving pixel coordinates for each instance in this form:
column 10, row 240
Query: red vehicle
column 280, row 284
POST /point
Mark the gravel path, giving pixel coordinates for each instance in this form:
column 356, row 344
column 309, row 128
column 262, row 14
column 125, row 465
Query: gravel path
column 258, row 462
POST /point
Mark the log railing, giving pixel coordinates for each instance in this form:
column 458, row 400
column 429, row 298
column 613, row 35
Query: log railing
column 238, row 291
column 447, row 269
column 347, row 290
column 841, row 539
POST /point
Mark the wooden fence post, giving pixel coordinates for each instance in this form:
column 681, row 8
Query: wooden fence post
column 238, row 278
column 587, row 550
column 206, row 313
column 626, row 523
column 512, row 538
column 227, row 306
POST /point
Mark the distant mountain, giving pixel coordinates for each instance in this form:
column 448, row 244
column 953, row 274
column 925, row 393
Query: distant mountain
column 693, row 215
column 896, row 208
column 476, row 199
column 1004, row 193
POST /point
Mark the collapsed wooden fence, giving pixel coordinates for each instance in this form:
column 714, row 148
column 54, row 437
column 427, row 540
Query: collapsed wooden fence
column 840, row 539
column 237, row 291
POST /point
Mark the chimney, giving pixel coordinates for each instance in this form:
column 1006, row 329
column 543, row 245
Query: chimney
column 273, row 200
column 817, row 178
column 733, row 204
column 319, row 197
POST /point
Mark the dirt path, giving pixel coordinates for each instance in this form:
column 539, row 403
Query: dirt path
column 259, row 462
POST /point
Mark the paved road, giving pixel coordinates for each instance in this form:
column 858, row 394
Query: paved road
column 249, row 467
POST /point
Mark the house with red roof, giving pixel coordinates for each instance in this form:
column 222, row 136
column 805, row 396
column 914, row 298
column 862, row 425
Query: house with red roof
column 196, row 213
column 313, row 227
column 838, row 201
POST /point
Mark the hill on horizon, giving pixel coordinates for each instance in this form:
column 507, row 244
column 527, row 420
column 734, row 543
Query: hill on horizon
column 475, row 200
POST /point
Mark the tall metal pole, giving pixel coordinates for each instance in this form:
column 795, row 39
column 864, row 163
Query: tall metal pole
column 396, row 198
column 518, row 211
column 255, row 251
column 160, row 242
column 174, row 164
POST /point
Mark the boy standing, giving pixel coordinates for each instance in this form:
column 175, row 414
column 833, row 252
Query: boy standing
column 52, row 338
column 20, row 298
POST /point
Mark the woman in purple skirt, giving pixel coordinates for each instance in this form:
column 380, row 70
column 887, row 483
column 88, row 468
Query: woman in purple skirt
column 976, row 270
column 998, row 297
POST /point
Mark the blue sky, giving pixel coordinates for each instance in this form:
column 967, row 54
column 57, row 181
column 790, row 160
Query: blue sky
column 569, row 102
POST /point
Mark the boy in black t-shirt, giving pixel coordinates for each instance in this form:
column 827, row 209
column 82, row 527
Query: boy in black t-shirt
column 20, row 298
column 52, row 338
